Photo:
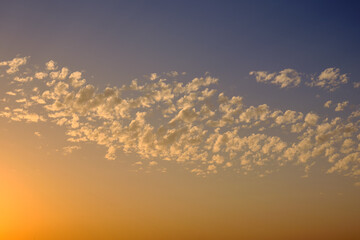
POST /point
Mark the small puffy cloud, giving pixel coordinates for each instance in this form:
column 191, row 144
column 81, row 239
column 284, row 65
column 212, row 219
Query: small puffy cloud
column 260, row 112
column 153, row 163
column 21, row 114
column 285, row 78
column 327, row 104
column 341, row 106
column 153, row 76
column 356, row 84
column 347, row 145
column 70, row 149
column 37, row 134
column 172, row 74
column 11, row 93
column 329, row 79
column 187, row 115
column 211, row 167
column 51, row 65
column 40, row 75
column 13, row 65
column 289, row 117
column 218, row 159
column 228, row 164
column 76, row 80
column 110, row 155
column 59, row 75
column 22, row 100
column 343, row 164
column 311, row 118
column 23, row 79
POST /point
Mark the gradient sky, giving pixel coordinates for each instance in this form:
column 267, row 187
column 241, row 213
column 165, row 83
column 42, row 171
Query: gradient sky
column 179, row 120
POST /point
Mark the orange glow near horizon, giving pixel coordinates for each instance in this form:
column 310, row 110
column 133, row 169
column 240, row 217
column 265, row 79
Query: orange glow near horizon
column 83, row 203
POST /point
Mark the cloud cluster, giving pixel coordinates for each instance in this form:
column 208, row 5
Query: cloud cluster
column 329, row 79
column 168, row 117
column 14, row 64
column 285, row 78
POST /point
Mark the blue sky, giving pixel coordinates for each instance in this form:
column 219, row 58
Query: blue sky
column 120, row 40
column 228, row 39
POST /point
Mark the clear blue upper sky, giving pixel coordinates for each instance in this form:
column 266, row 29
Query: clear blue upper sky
column 120, row 40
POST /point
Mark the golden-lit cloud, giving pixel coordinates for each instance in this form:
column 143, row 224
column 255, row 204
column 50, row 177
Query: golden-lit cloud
column 14, row 64
column 285, row 78
column 330, row 78
column 341, row 106
column 170, row 117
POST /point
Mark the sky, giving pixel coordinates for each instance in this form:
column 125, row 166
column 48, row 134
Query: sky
column 179, row 120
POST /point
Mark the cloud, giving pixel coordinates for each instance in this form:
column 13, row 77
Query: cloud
column 311, row 118
column 23, row 79
column 51, row 65
column 329, row 79
column 153, row 163
column 37, row 134
column 14, row 64
column 327, row 104
column 285, row 78
column 40, row 75
column 164, row 119
column 11, row 93
column 341, row 106
column 260, row 113
column 69, row 149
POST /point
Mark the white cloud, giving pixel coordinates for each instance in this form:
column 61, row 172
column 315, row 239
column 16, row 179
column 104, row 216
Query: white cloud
column 153, row 163
column 153, row 76
column 40, row 75
column 51, row 65
column 76, row 80
column 311, row 118
column 37, row 134
column 329, row 79
column 14, row 64
column 260, row 112
column 285, row 78
column 327, row 104
column 341, row 106
column 23, row 79
column 70, row 149
column 218, row 159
